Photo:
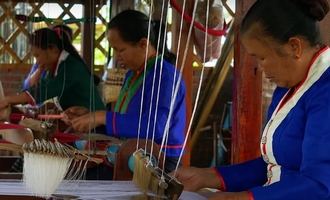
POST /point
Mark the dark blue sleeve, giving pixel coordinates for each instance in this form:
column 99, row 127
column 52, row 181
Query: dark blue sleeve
column 293, row 186
column 312, row 180
column 244, row 176
column 127, row 125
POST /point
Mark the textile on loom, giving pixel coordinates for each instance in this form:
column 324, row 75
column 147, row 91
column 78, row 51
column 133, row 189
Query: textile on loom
column 110, row 190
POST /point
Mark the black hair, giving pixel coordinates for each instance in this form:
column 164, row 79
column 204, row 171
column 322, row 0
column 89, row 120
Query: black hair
column 133, row 25
column 282, row 19
column 45, row 38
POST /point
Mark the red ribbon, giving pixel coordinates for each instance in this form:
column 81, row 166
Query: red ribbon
column 58, row 32
column 211, row 31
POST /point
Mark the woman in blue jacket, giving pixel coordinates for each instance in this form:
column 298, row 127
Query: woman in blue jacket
column 284, row 37
column 128, row 36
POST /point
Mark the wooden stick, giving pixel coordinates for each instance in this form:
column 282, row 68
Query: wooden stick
column 78, row 155
column 11, row 147
column 60, row 116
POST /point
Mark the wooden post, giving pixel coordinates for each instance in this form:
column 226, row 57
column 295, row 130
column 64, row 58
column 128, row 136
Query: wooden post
column 247, row 98
column 88, row 33
column 325, row 28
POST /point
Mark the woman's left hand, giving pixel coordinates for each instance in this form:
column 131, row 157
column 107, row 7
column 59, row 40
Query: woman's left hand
column 230, row 196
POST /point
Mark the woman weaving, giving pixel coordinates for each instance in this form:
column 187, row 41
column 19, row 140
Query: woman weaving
column 284, row 37
column 128, row 36
column 67, row 78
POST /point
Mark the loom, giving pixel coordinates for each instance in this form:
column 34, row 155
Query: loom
column 47, row 163
column 158, row 182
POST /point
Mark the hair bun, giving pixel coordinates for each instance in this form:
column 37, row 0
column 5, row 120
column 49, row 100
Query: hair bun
column 316, row 9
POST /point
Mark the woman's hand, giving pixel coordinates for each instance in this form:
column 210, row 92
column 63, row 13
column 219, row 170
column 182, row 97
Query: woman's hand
column 4, row 103
column 230, row 196
column 75, row 111
column 195, row 179
column 88, row 121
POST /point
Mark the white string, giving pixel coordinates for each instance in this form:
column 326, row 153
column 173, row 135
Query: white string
column 143, row 84
column 152, row 94
column 199, row 88
column 174, row 77
column 160, row 71
column 179, row 81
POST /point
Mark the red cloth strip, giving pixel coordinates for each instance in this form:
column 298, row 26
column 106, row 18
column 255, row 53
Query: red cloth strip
column 114, row 124
column 10, row 126
column 173, row 146
column 251, row 197
column 65, row 137
column 223, row 185
column 4, row 142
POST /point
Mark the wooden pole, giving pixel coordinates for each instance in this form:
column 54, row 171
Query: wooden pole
column 325, row 28
column 247, row 97
column 88, row 33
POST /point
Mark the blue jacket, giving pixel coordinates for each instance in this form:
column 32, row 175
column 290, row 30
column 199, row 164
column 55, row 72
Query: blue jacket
column 126, row 124
column 297, row 166
column 26, row 84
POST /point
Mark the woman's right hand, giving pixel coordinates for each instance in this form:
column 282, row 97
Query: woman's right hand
column 4, row 103
column 195, row 179
column 75, row 112
column 88, row 121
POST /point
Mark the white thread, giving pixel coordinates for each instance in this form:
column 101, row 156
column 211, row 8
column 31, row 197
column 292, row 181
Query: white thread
column 143, row 84
column 160, row 73
column 174, row 77
column 199, row 88
column 43, row 173
column 179, row 79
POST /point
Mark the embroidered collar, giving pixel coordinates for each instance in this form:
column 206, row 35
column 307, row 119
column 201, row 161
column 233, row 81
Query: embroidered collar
column 318, row 65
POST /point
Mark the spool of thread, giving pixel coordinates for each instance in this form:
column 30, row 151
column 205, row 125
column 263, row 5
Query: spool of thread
column 112, row 151
column 80, row 144
column 131, row 162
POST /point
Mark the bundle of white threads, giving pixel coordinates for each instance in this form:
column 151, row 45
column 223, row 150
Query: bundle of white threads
column 45, row 166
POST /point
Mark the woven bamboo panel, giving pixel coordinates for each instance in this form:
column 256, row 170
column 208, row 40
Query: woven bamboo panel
column 14, row 48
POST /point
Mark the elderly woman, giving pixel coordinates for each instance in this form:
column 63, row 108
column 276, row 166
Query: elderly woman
column 284, row 37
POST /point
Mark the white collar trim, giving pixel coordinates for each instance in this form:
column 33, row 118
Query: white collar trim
column 64, row 54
